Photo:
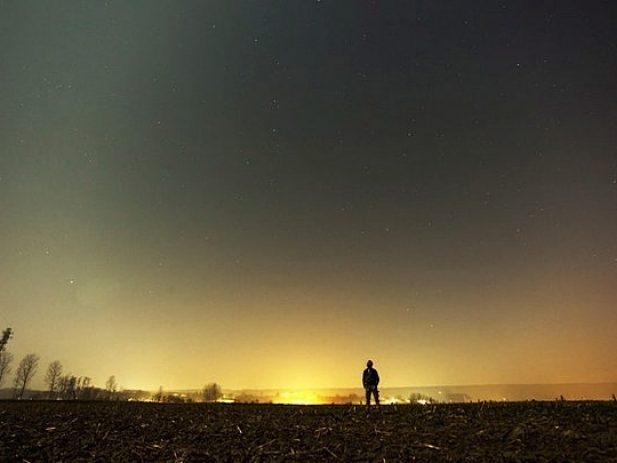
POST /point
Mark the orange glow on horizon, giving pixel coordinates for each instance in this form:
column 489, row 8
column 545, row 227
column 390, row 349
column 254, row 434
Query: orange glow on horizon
column 298, row 397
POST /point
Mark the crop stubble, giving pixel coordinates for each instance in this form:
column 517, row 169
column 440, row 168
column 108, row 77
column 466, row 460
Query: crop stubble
column 483, row 432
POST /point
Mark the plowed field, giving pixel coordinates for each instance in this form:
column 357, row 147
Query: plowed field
column 491, row 432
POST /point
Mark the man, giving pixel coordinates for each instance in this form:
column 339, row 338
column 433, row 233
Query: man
column 370, row 380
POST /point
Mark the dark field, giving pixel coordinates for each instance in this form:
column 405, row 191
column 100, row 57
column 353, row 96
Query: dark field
column 533, row 431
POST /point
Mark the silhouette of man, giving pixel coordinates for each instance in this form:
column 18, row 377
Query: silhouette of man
column 370, row 380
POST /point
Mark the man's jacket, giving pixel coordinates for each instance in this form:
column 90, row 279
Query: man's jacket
column 370, row 377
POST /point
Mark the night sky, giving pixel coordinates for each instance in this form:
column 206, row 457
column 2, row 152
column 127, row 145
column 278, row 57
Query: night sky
column 267, row 193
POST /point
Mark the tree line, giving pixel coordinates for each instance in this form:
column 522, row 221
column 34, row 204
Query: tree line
column 58, row 385
column 70, row 387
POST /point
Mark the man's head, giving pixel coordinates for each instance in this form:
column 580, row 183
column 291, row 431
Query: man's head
column 369, row 364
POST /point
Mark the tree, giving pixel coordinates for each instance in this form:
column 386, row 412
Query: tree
column 67, row 387
column 24, row 374
column 82, row 387
column 5, row 365
column 6, row 335
column 52, row 377
column 111, row 386
column 212, row 392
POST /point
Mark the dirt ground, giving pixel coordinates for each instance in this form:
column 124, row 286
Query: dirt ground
column 482, row 432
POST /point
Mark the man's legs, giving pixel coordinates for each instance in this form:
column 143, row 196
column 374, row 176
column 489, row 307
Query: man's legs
column 376, row 395
column 368, row 396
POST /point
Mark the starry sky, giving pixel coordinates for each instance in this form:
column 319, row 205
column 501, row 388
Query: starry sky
column 266, row 193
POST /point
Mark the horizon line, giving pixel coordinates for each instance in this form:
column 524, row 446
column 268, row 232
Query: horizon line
column 387, row 387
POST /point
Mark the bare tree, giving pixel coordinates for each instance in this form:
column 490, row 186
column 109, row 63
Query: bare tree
column 6, row 335
column 111, row 385
column 84, row 382
column 24, row 374
column 52, row 377
column 212, row 392
column 67, row 387
column 82, row 387
column 5, row 357
column 5, row 365
column 158, row 397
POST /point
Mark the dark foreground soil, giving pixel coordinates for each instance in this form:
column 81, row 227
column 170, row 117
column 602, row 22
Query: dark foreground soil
column 122, row 432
